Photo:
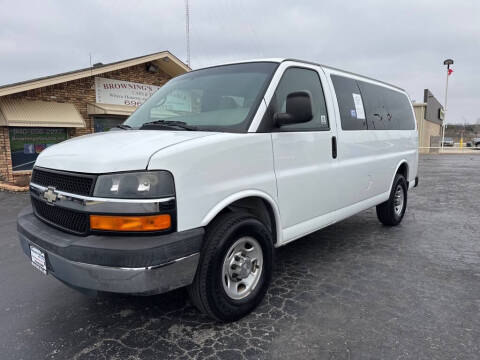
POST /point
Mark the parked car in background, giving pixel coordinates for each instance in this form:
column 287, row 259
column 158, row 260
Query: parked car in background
column 476, row 142
column 448, row 142
column 217, row 169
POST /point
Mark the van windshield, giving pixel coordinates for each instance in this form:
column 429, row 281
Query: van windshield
column 222, row 98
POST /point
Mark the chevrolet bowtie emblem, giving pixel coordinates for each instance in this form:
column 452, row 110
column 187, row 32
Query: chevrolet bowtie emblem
column 50, row 195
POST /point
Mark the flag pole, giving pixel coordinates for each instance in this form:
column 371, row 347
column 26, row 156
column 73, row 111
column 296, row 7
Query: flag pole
column 187, row 30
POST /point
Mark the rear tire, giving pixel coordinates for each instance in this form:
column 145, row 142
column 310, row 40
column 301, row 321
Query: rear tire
column 391, row 212
column 235, row 267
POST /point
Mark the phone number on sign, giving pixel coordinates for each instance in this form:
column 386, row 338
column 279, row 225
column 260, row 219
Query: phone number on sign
column 133, row 102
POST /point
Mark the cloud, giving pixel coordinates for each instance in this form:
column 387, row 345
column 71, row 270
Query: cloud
column 402, row 42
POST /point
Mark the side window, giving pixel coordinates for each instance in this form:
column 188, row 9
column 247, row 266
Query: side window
column 350, row 103
column 386, row 109
column 398, row 105
column 378, row 117
column 299, row 79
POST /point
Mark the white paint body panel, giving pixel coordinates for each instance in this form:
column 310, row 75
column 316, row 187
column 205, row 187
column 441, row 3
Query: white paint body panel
column 371, row 157
column 111, row 151
column 294, row 172
column 304, row 165
column 213, row 169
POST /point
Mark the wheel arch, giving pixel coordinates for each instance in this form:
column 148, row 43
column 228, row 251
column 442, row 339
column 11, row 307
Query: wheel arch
column 402, row 168
column 256, row 202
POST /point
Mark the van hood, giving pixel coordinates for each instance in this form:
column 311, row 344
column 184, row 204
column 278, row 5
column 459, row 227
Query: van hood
column 122, row 150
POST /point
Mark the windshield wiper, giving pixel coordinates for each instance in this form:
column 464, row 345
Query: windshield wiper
column 122, row 126
column 168, row 124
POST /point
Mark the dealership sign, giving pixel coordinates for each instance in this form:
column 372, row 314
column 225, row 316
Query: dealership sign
column 118, row 92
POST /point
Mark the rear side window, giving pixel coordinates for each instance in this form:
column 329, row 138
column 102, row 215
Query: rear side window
column 383, row 108
column 400, row 110
column 378, row 117
column 350, row 103
column 386, row 109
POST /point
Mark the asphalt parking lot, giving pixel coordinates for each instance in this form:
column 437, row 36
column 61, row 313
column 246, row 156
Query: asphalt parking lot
column 356, row 290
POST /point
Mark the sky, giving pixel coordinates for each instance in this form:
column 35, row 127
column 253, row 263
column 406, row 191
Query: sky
column 402, row 42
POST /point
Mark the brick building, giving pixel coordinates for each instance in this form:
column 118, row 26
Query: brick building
column 37, row 113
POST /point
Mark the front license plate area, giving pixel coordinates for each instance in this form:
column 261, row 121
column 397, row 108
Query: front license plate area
column 38, row 259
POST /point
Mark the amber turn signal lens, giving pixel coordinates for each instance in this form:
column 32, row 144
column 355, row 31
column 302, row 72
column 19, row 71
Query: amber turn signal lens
column 130, row 223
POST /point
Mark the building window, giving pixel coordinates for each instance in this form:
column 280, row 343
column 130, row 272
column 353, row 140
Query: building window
column 105, row 123
column 27, row 142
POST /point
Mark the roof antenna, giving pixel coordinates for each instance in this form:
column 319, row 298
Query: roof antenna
column 187, row 30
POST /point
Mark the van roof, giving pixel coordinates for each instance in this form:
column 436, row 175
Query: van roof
column 280, row 60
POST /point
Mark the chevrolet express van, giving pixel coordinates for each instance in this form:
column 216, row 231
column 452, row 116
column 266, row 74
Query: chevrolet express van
column 217, row 169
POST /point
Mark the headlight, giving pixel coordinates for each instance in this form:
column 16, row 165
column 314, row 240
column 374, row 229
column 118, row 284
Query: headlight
column 135, row 185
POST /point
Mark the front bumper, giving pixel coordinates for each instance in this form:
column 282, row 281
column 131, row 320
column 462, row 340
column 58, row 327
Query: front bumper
column 142, row 265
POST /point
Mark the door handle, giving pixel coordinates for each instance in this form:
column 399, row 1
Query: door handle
column 334, row 147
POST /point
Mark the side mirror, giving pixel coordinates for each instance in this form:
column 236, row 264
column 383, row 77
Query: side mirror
column 299, row 109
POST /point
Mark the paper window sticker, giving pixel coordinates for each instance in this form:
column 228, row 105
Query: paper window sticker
column 353, row 113
column 357, row 99
column 323, row 120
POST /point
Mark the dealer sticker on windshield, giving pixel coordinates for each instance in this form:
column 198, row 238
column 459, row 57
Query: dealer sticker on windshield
column 38, row 259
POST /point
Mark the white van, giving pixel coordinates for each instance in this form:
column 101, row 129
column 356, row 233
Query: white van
column 212, row 173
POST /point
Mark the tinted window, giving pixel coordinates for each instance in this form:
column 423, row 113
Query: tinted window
column 374, row 100
column 351, row 114
column 400, row 109
column 385, row 108
column 297, row 79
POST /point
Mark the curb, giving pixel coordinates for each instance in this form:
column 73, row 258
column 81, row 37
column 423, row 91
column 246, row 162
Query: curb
column 13, row 188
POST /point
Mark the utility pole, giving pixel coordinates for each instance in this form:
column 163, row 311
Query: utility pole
column 447, row 62
column 187, row 30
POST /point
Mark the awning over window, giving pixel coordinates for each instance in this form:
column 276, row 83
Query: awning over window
column 108, row 109
column 17, row 112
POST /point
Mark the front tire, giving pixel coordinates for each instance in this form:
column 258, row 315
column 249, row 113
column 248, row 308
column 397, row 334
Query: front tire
column 391, row 212
column 235, row 267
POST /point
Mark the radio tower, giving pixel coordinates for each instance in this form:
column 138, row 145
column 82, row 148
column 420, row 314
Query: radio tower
column 187, row 30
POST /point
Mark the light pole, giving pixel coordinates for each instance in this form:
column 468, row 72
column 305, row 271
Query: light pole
column 447, row 62
column 187, row 30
